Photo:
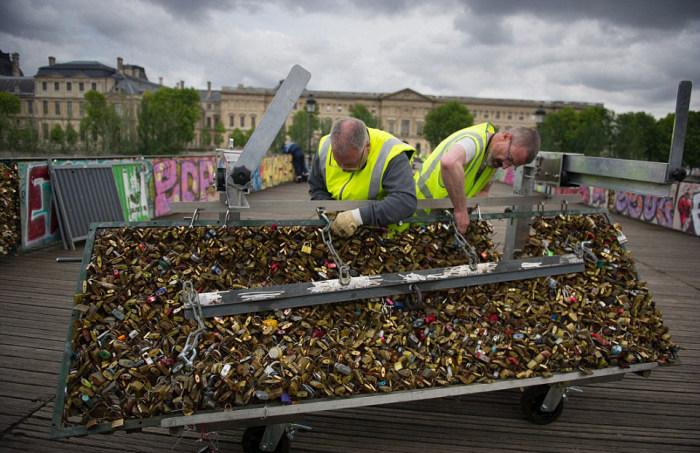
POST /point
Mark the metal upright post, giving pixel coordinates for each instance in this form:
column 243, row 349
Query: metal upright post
column 518, row 229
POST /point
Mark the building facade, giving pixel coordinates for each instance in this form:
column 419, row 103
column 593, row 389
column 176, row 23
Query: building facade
column 55, row 96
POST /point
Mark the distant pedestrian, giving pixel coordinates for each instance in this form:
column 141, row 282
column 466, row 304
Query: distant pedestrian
column 298, row 159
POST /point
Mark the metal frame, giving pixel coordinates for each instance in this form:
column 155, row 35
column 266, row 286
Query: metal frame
column 268, row 414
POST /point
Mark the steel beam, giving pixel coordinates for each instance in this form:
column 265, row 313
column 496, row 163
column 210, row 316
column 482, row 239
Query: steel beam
column 364, row 287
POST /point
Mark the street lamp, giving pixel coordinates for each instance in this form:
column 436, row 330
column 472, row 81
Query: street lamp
column 538, row 117
column 311, row 108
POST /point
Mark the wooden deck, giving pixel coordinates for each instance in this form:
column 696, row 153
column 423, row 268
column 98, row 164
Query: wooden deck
column 658, row 413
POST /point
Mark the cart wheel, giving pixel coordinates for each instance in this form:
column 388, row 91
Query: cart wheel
column 252, row 437
column 530, row 402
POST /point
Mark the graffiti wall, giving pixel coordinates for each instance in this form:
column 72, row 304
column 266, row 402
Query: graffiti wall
column 146, row 189
column 132, row 185
column 648, row 208
column 182, row 179
column 38, row 218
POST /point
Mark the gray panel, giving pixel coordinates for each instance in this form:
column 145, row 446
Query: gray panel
column 84, row 194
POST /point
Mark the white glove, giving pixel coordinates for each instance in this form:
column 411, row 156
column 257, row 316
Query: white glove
column 346, row 223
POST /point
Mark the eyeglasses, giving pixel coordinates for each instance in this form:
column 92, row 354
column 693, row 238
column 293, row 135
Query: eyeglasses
column 509, row 157
column 350, row 169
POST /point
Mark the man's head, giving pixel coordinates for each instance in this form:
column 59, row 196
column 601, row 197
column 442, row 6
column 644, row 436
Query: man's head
column 513, row 147
column 349, row 144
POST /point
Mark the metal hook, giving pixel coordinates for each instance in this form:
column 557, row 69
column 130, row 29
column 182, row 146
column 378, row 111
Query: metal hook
column 195, row 217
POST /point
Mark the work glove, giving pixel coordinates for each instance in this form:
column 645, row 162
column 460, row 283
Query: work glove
column 346, row 223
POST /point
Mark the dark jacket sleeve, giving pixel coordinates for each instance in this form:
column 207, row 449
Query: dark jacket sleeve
column 400, row 201
column 317, row 186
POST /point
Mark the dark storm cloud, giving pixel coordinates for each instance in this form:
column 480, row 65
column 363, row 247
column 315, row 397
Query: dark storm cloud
column 31, row 19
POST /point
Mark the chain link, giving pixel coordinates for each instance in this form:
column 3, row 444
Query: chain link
column 466, row 247
column 343, row 269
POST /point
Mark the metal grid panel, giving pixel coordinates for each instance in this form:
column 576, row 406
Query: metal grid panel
column 84, row 194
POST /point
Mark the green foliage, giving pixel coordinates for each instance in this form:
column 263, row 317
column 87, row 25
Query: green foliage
column 167, row 120
column 691, row 147
column 361, row 112
column 240, row 138
column 636, row 137
column 205, row 138
column 325, row 126
column 56, row 135
column 301, row 129
column 71, row 136
column 219, row 132
column 100, row 127
column 444, row 120
column 9, row 104
column 279, row 141
column 587, row 132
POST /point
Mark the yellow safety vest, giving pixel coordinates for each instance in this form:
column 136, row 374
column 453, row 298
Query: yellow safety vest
column 364, row 184
column 429, row 182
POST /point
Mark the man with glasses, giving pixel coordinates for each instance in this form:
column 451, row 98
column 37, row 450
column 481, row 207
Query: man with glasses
column 461, row 166
column 355, row 162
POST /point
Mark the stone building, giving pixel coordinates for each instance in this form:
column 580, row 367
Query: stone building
column 55, row 95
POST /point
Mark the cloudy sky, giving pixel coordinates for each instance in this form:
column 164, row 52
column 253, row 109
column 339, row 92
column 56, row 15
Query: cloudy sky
column 628, row 55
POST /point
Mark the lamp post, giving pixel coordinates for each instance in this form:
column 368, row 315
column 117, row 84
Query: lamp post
column 311, row 108
column 538, row 117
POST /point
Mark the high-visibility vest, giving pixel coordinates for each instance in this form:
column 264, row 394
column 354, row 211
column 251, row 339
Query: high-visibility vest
column 428, row 179
column 364, row 184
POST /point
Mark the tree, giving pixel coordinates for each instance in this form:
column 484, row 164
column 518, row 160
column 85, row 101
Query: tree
column 635, row 136
column 586, row 132
column 56, row 136
column 444, row 120
column 167, row 120
column 10, row 106
column 279, row 141
column 219, row 132
column 299, row 129
column 205, row 138
column 71, row 136
column 100, row 127
column 325, row 126
column 691, row 147
column 361, row 112
column 240, row 138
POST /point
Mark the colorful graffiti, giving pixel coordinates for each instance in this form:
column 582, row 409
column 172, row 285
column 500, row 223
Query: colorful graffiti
column 590, row 196
column 38, row 215
column 648, row 208
column 132, row 186
column 687, row 209
column 182, row 179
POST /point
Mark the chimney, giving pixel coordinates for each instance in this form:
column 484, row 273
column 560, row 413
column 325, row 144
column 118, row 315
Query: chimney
column 182, row 84
column 120, row 64
column 160, row 81
column 52, row 61
column 15, row 65
column 208, row 88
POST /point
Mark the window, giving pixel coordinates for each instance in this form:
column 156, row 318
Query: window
column 328, row 108
column 498, row 115
column 522, row 117
column 81, row 86
column 230, row 121
column 391, row 127
column 55, row 86
column 118, row 108
column 209, row 122
column 69, row 108
column 45, row 130
column 510, row 115
column 419, row 128
column 30, row 107
column 69, row 86
column 57, row 107
column 405, row 124
column 252, row 121
column 486, row 114
column 81, row 110
column 242, row 121
column 374, row 110
column 43, row 86
column 45, row 107
column 208, row 106
column 340, row 108
column 94, row 86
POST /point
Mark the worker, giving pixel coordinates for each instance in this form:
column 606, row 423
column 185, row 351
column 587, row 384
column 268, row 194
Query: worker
column 461, row 166
column 355, row 162
column 298, row 160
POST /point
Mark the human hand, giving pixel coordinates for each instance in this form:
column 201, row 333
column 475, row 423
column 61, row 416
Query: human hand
column 461, row 220
column 344, row 224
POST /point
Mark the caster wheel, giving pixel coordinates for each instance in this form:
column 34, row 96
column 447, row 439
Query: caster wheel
column 530, row 402
column 252, row 437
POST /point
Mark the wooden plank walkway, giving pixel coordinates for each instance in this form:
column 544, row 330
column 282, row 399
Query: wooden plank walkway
column 636, row 414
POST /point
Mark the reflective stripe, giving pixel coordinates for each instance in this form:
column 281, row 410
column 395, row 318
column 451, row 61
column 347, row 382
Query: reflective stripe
column 425, row 176
column 375, row 181
column 323, row 155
